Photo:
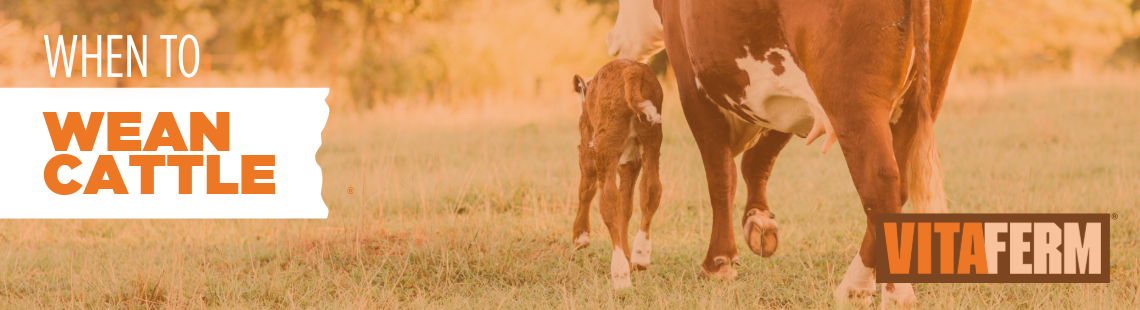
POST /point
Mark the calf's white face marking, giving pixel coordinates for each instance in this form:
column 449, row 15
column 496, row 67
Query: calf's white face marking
column 619, row 269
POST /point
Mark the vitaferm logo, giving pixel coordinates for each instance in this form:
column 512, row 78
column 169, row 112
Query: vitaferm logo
column 162, row 153
column 992, row 248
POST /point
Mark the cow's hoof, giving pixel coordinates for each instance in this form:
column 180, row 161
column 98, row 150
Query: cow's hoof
column 851, row 295
column 761, row 232
column 619, row 270
column 622, row 281
column 642, row 247
column 858, row 285
column 724, row 270
column 898, row 296
column 582, row 241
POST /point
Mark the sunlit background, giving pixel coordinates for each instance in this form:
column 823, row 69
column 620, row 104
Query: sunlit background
column 479, row 52
column 456, row 126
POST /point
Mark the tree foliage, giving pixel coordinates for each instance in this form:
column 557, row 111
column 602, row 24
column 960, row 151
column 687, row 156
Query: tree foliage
column 370, row 51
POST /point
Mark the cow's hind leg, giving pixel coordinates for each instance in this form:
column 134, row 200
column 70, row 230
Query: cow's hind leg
column 587, row 188
column 649, row 135
column 866, row 142
column 855, row 85
column 760, row 230
column 870, row 159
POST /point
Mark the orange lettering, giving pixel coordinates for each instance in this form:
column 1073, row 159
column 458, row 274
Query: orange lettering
column 947, row 232
column 52, row 169
column 249, row 174
column 898, row 253
column 924, row 248
column 146, row 164
column 165, row 123
column 972, row 241
column 185, row 164
column 105, row 175
column 219, row 135
column 214, row 183
column 115, row 132
column 73, row 127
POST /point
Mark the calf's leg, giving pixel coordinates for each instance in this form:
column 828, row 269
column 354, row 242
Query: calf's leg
column 608, row 148
column 628, row 173
column 649, row 135
column 587, row 188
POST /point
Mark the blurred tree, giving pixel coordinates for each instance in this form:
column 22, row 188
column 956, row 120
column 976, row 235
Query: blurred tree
column 1010, row 36
column 370, row 51
column 1128, row 54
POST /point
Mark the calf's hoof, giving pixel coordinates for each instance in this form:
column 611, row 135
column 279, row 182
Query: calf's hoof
column 642, row 247
column 761, row 232
column 898, row 296
column 724, row 269
column 582, row 241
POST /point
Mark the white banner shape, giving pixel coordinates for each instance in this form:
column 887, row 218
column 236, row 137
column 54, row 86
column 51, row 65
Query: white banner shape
column 285, row 123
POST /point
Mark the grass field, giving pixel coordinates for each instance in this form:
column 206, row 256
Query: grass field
column 472, row 208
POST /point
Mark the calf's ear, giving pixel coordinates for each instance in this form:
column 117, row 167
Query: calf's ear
column 579, row 85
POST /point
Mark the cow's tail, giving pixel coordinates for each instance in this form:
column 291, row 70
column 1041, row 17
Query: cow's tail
column 642, row 107
column 924, row 168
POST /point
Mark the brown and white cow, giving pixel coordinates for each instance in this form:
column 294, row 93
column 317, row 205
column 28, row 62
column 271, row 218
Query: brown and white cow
column 621, row 138
column 868, row 74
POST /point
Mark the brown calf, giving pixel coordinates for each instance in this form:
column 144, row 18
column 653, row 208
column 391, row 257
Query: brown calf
column 621, row 138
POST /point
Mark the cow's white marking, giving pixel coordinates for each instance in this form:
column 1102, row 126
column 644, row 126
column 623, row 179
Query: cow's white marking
column 785, row 100
column 619, row 269
column 582, row 240
column 699, row 86
column 637, row 33
column 650, row 111
column 642, row 247
column 858, row 283
column 632, row 151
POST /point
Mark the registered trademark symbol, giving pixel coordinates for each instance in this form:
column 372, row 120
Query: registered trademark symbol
column 419, row 242
column 351, row 190
column 1115, row 216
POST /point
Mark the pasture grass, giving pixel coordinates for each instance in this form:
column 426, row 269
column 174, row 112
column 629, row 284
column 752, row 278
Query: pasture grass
column 472, row 208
